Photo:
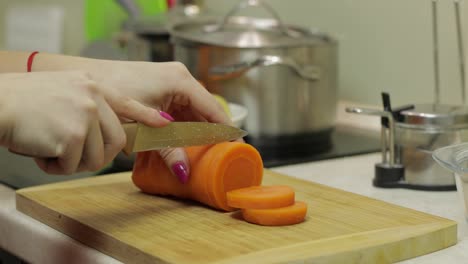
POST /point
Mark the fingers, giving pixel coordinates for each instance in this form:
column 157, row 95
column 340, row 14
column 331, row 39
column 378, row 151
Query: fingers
column 134, row 110
column 206, row 105
column 177, row 161
column 92, row 157
column 68, row 161
column 199, row 99
column 113, row 135
column 89, row 151
column 187, row 115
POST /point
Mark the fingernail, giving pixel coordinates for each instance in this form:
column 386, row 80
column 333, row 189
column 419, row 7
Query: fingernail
column 180, row 170
column 166, row 115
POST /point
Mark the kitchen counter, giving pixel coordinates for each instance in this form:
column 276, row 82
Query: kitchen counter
column 38, row 243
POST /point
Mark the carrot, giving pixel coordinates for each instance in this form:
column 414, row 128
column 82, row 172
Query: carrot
column 215, row 170
column 288, row 215
column 261, row 197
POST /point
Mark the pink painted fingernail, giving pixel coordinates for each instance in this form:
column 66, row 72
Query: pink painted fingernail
column 180, row 170
column 166, row 115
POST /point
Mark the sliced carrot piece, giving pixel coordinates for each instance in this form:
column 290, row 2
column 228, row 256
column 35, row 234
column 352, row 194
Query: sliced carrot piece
column 261, row 197
column 215, row 170
column 288, row 215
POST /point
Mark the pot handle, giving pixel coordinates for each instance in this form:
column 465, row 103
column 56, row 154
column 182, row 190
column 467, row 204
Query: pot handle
column 309, row 72
column 253, row 3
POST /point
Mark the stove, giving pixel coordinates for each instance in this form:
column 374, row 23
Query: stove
column 20, row 172
column 339, row 142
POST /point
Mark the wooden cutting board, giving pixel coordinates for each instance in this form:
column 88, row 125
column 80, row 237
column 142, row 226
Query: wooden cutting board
column 109, row 214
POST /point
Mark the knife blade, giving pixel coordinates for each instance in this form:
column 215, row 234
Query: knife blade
column 177, row 134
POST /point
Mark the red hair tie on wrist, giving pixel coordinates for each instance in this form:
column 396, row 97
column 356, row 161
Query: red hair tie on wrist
column 31, row 59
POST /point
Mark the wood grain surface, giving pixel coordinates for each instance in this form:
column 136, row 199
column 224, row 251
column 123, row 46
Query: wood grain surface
column 109, row 214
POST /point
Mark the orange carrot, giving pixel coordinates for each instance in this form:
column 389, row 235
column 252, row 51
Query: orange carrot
column 288, row 215
column 215, row 170
column 261, row 197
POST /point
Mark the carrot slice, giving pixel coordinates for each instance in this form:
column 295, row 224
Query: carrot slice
column 261, row 197
column 288, row 215
column 215, row 170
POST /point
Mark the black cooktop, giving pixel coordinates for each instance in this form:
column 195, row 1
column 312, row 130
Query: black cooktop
column 341, row 142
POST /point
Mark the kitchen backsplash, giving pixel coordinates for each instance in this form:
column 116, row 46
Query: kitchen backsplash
column 384, row 45
column 72, row 33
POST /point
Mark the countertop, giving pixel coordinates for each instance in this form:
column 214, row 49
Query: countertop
column 38, row 243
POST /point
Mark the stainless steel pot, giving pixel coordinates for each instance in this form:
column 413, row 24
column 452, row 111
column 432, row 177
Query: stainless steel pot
column 424, row 129
column 286, row 76
column 146, row 38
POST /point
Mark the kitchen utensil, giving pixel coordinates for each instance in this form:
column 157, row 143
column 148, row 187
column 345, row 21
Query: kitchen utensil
column 429, row 127
column 143, row 37
column 461, row 50
column 389, row 170
column 420, row 130
column 109, row 214
column 130, row 7
column 285, row 75
column 124, row 162
column 455, row 159
column 416, row 131
column 146, row 38
column 435, row 42
column 178, row 134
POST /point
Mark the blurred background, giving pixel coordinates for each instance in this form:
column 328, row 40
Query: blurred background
column 383, row 45
column 367, row 47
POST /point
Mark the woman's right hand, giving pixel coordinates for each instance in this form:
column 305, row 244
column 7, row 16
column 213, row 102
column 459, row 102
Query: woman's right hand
column 61, row 119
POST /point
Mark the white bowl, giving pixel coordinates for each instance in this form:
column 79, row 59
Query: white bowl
column 238, row 114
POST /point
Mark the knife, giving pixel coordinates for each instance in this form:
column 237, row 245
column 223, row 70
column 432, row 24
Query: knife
column 177, row 134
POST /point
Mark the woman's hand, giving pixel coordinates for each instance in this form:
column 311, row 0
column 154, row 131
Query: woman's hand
column 140, row 90
column 137, row 91
column 60, row 118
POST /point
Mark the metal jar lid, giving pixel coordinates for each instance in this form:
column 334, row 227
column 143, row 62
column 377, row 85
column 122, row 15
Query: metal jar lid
column 246, row 32
column 434, row 116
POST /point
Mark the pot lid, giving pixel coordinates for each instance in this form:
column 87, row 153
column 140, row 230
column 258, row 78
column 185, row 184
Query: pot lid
column 434, row 115
column 246, row 32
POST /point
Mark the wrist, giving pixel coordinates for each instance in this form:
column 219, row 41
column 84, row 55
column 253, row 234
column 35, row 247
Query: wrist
column 53, row 62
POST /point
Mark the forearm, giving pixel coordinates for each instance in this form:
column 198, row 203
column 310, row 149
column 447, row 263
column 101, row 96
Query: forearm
column 5, row 115
column 12, row 61
column 16, row 61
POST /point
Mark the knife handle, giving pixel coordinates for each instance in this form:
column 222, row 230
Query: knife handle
column 130, row 130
